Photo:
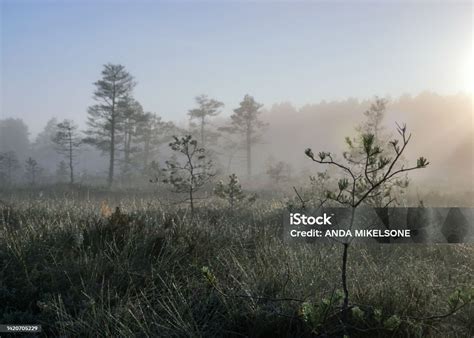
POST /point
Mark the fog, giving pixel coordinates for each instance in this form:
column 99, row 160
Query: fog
column 315, row 74
column 441, row 126
column 442, row 131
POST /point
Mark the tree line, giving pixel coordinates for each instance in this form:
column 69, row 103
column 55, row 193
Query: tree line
column 130, row 137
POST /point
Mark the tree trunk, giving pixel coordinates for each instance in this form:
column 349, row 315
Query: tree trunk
column 71, row 169
column 128, row 141
column 112, row 153
column 345, row 304
column 146, row 152
column 249, row 155
column 202, row 132
column 9, row 171
column 191, row 201
column 112, row 142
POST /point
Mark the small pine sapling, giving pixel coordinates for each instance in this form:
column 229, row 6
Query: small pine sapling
column 361, row 184
column 190, row 170
column 231, row 191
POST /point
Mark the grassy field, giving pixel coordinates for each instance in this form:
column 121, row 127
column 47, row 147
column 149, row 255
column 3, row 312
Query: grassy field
column 81, row 268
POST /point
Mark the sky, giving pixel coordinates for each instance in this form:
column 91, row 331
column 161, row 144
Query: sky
column 301, row 52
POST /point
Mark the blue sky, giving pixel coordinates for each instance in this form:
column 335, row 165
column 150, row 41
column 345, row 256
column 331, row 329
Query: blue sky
column 303, row 52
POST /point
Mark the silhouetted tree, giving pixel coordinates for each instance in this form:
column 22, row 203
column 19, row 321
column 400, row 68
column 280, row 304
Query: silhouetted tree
column 104, row 118
column 9, row 164
column 62, row 172
column 32, row 171
column 246, row 122
column 278, row 171
column 373, row 124
column 191, row 171
column 152, row 132
column 43, row 145
column 232, row 191
column 356, row 186
column 206, row 108
column 14, row 137
column 132, row 116
column 356, row 154
column 67, row 142
column 374, row 117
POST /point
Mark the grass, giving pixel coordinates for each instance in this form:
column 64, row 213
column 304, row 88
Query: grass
column 152, row 270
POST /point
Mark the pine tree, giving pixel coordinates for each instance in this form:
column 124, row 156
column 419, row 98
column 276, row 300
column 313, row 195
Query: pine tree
column 67, row 142
column 278, row 171
column 44, row 147
column 32, row 171
column 232, row 191
column 9, row 164
column 151, row 134
column 206, row 108
column 104, row 118
column 62, row 172
column 132, row 116
column 191, row 171
column 246, row 122
column 356, row 154
column 356, row 188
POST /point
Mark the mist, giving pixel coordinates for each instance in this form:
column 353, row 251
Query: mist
column 441, row 127
column 236, row 168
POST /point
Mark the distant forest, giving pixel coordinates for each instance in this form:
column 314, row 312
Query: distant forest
column 122, row 143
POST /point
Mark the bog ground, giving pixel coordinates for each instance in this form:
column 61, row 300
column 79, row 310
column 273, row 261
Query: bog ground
column 81, row 267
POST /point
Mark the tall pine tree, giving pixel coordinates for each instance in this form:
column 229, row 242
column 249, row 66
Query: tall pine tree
column 67, row 142
column 206, row 108
column 246, row 122
column 105, row 118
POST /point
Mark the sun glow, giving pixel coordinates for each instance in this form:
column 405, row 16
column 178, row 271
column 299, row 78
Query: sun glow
column 469, row 74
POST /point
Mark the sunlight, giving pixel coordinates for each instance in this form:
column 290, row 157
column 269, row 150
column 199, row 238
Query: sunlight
column 468, row 71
